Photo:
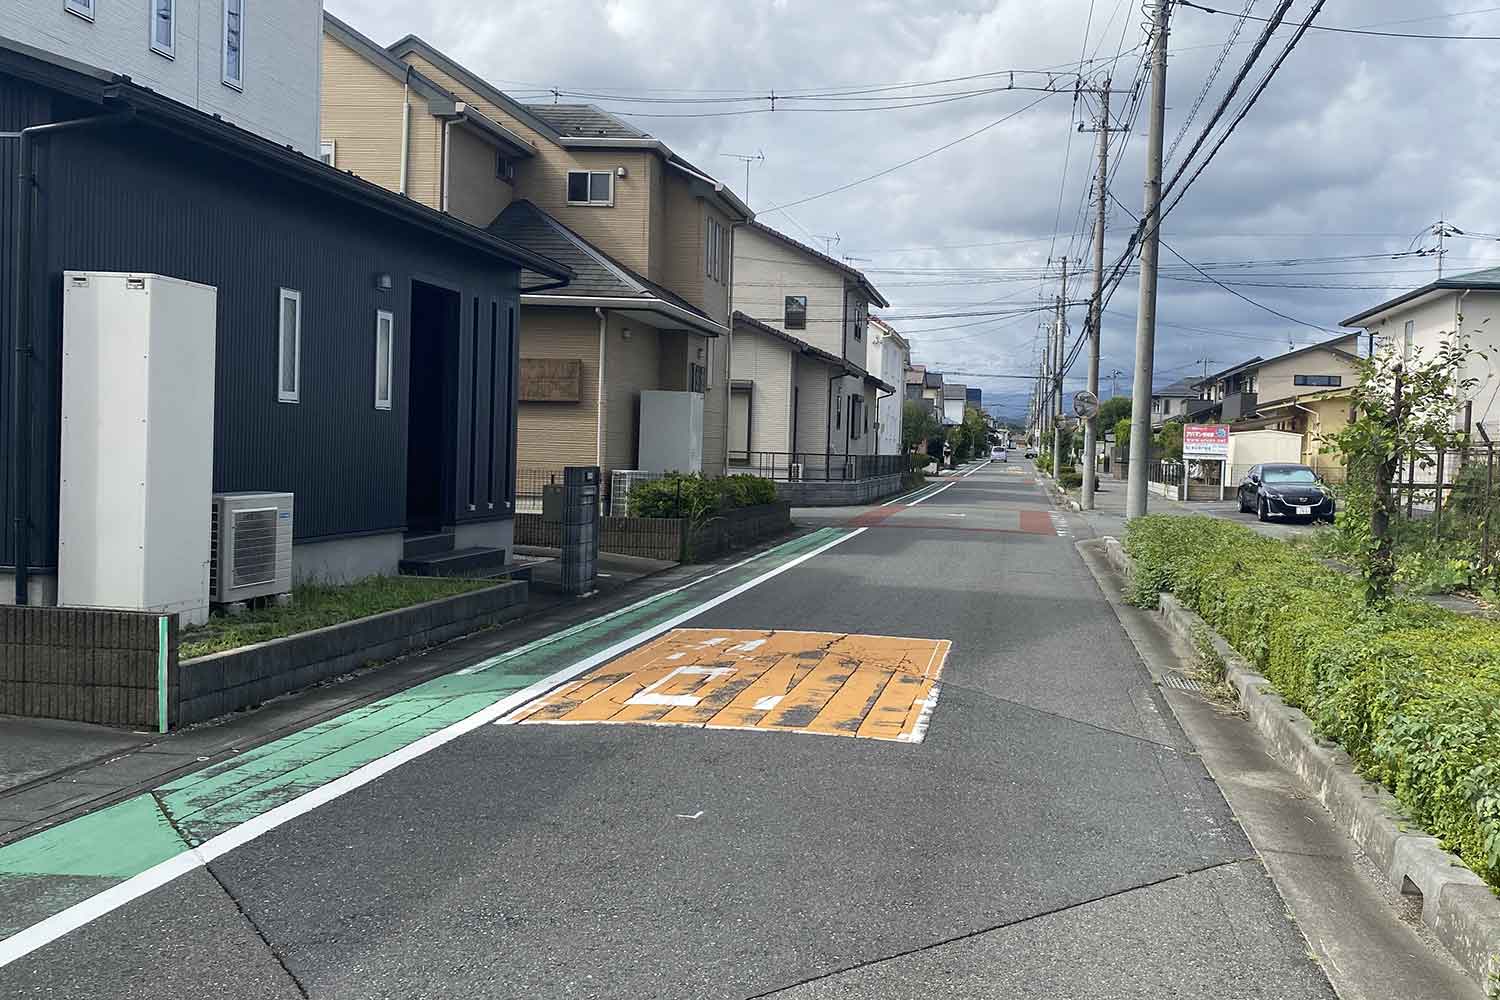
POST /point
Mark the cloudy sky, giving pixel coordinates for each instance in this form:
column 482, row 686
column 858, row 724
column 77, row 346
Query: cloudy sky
column 1360, row 144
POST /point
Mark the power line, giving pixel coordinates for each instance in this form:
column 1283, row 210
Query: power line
column 906, row 163
column 1366, row 31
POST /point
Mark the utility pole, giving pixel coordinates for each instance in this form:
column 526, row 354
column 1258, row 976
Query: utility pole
column 1096, row 304
column 1062, row 344
column 1145, row 322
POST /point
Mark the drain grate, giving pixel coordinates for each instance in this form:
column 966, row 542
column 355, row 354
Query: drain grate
column 1181, row 683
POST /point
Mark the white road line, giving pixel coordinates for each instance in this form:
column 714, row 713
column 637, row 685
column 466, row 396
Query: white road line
column 945, row 486
column 981, row 465
column 24, row 942
column 907, row 496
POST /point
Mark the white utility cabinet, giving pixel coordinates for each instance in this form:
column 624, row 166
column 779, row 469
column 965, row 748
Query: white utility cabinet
column 137, row 443
column 671, row 431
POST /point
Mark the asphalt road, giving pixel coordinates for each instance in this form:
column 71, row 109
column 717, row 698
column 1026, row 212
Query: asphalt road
column 1052, row 836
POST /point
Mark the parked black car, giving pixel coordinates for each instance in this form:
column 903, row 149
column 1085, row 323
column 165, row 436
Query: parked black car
column 1285, row 490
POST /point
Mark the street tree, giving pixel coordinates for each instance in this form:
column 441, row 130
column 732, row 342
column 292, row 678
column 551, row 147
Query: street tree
column 917, row 425
column 1404, row 413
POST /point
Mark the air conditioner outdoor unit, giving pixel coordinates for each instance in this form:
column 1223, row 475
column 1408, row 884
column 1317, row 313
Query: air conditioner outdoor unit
column 251, row 554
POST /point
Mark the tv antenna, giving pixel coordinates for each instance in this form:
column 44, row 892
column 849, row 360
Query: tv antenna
column 747, row 160
column 829, row 242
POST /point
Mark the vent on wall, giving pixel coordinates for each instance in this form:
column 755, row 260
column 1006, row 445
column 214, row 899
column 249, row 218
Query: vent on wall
column 251, row 554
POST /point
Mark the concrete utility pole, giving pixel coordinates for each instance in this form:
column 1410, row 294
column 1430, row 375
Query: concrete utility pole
column 1145, row 323
column 1062, row 345
column 1096, row 305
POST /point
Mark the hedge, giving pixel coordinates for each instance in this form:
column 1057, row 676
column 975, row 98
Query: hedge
column 696, row 497
column 1411, row 692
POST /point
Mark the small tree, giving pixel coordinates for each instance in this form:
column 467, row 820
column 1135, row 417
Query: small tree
column 1122, row 432
column 1113, row 410
column 1404, row 410
column 1169, row 439
column 917, row 425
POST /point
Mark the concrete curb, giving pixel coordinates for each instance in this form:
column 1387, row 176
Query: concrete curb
column 1461, row 910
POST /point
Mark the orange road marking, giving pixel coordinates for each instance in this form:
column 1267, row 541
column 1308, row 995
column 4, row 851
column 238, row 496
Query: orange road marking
column 826, row 683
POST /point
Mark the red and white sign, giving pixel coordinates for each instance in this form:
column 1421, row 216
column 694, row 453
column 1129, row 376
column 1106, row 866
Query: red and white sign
column 1205, row 441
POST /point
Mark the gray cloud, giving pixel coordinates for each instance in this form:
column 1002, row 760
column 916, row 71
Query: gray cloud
column 1356, row 135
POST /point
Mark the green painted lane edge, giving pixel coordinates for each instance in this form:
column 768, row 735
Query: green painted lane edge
column 114, row 843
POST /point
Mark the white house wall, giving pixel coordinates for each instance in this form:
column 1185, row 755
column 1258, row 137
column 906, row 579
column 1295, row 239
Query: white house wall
column 281, row 48
column 1436, row 321
column 767, row 270
column 767, row 362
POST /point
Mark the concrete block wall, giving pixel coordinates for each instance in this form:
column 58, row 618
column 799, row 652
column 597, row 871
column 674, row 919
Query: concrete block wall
column 84, row 664
column 845, row 493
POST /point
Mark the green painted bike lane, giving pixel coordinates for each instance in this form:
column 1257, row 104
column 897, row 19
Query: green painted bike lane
column 44, row 874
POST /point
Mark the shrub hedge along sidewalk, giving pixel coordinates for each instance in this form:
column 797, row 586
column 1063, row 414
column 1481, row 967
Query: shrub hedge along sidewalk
column 1411, row 691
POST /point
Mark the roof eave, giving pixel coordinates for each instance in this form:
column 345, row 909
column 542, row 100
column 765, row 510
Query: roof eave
column 212, row 131
column 408, row 44
column 642, row 304
column 1380, row 312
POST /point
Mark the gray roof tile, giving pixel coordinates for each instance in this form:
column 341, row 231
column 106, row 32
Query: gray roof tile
column 596, row 272
column 584, row 120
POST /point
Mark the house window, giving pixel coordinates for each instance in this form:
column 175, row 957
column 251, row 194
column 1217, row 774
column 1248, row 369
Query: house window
column 234, row 42
column 83, row 8
column 795, row 317
column 697, row 377
column 505, row 168
column 163, row 27
column 326, row 152
column 856, row 409
column 289, row 346
column 591, row 187
column 713, row 249
column 1409, row 335
column 1320, row 380
column 384, row 340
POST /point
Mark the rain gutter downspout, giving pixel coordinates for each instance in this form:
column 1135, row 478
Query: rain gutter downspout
column 20, row 453
column 405, row 126
column 599, row 390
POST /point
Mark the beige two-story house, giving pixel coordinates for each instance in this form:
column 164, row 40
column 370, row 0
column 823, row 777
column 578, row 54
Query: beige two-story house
column 800, row 374
column 627, row 365
column 1237, row 393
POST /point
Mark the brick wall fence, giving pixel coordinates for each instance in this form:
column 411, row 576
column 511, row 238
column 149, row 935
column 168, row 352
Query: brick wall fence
column 86, row 665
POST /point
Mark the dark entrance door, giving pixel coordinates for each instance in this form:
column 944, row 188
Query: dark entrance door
column 432, row 406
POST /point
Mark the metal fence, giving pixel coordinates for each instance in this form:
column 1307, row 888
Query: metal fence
column 529, row 486
column 814, row 466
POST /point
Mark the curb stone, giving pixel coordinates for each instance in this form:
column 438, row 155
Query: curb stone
column 1460, row 909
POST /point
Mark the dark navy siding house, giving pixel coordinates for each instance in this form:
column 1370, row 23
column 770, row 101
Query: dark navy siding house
column 153, row 186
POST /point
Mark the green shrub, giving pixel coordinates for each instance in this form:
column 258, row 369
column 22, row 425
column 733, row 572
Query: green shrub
column 698, row 498
column 1069, row 478
column 1411, row 691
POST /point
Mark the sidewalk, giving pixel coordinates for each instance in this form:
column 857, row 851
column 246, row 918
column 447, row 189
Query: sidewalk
column 52, row 770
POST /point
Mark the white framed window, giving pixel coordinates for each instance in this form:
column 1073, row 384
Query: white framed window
column 164, row 27
column 83, row 8
column 505, row 167
column 289, row 346
column 591, row 187
column 1408, row 339
column 385, row 335
column 327, row 152
column 234, row 44
column 713, row 249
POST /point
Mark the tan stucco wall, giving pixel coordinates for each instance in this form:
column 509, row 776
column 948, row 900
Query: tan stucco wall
column 552, row 435
column 630, row 366
column 768, row 363
column 475, row 194
column 361, row 114
column 1277, row 379
column 767, row 270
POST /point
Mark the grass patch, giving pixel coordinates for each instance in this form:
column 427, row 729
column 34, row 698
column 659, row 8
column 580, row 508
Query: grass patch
column 1411, row 691
column 315, row 605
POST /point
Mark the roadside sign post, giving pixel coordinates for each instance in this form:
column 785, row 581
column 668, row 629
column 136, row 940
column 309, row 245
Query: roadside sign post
column 1207, row 443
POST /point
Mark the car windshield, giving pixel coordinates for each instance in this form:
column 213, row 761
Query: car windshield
column 1294, row 476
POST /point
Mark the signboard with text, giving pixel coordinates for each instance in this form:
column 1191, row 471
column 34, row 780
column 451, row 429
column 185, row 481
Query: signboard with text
column 1205, row 441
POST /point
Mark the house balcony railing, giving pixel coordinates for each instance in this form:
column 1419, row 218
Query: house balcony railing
column 815, row 466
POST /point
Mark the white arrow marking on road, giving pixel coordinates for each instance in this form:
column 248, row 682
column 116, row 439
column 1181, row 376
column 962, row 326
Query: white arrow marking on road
column 695, row 815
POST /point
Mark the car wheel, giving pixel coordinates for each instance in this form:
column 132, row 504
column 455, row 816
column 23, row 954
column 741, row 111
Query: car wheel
column 1264, row 513
column 1239, row 500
